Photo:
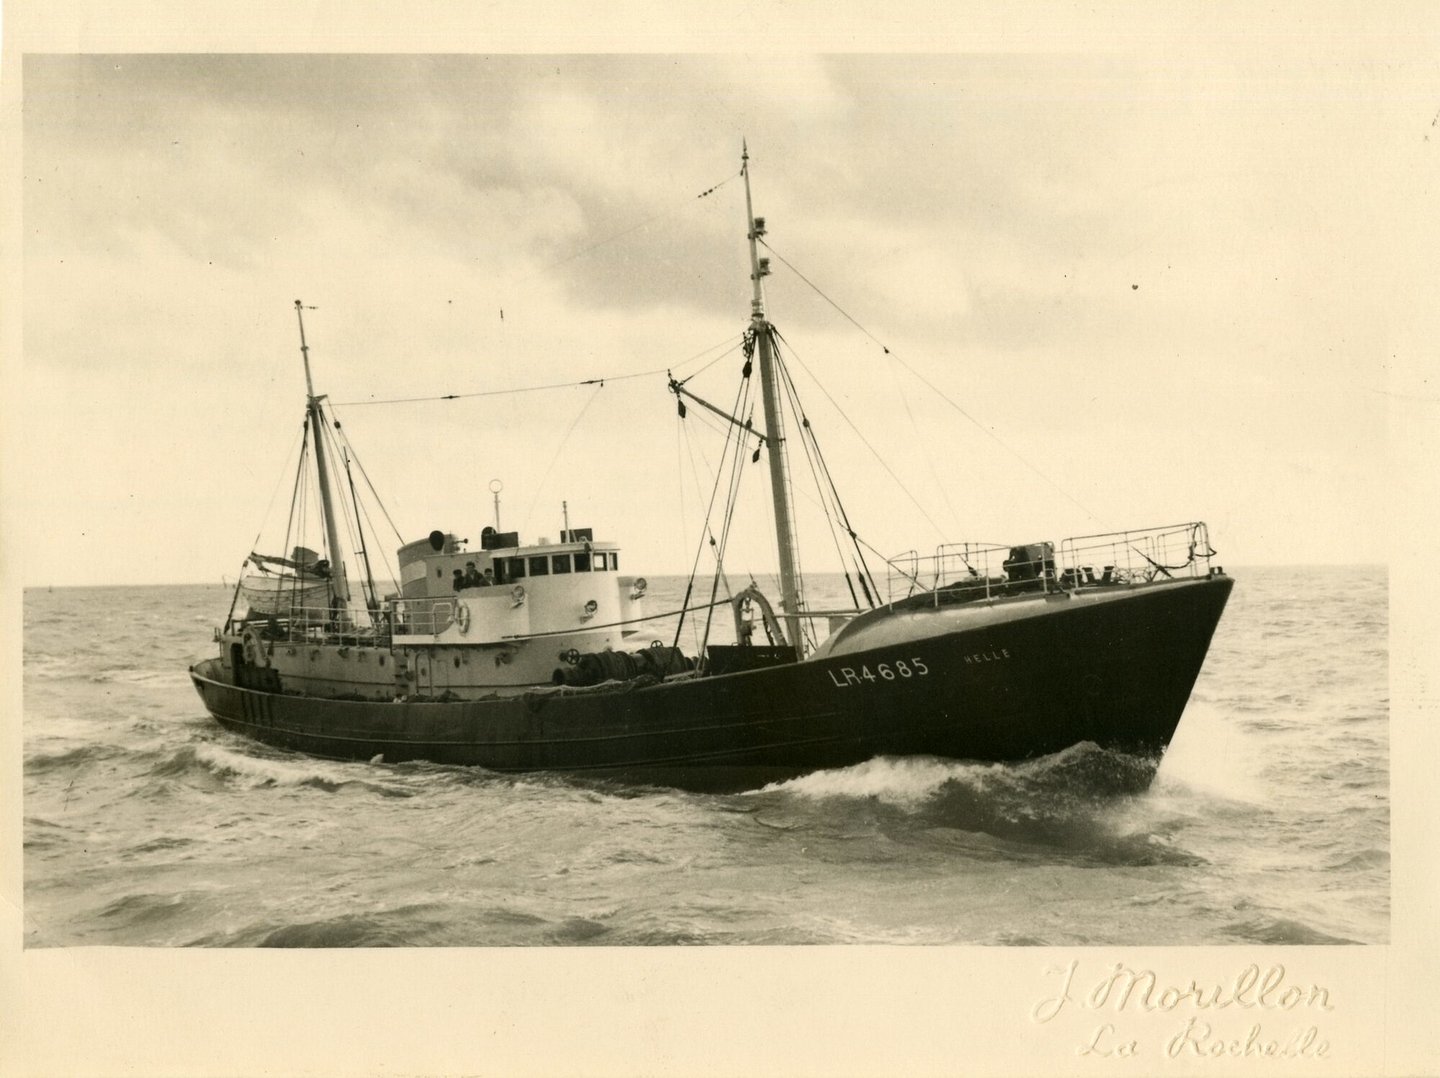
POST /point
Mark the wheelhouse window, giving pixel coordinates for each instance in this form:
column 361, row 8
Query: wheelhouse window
column 514, row 568
column 540, row 566
column 582, row 563
column 562, row 563
column 600, row 563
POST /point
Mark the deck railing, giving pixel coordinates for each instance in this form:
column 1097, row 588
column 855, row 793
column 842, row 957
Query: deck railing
column 990, row 570
column 397, row 617
column 421, row 617
column 304, row 624
column 1168, row 552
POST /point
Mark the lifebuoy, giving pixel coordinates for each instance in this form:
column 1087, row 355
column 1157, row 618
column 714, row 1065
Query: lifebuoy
column 462, row 617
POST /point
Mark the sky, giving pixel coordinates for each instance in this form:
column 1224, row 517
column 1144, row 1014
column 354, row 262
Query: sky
column 1033, row 295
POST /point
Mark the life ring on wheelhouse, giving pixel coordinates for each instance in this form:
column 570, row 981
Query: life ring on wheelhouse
column 462, row 617
column 256, row 653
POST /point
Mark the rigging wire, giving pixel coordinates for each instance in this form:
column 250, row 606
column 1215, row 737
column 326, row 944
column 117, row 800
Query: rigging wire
column 539, row 487
column 812, row 450
column 274, row 493
column 682, row 441
column 692, row 446
column 832, row 506
column 817, row 464
column 353, row 536
column 929, row 457
column 373, row 493
column 728, row 343
column 682, row 432
column 1000, row 442
column 671, row 211
column 694, row 472
column 298, row 505
column 737, row 472
column 709, row 511
column 874, row 452
column 347, row 448
column 394, row 576
column 363, row 519
column 932, row 387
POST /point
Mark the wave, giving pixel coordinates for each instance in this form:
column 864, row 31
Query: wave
column 212, row 761
column 161, row 844
column 418, row 925
column 43, row 835
column 1366, row 860
column 51, row 667
column 351, row 930
column 40, row 763
column 131, row 675
column 1084, row 768
column 148, row 908
column 1281, row 931
column 1079, row 802
column 413, row 925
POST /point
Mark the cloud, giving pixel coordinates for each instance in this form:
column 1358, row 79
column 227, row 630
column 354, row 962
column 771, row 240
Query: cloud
column 1120, row 255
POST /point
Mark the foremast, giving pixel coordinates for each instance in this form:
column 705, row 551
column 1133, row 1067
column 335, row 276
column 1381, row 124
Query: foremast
column 339, row 587
column 790, row 583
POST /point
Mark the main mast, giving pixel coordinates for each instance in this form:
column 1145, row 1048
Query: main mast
column 339, row 588
column 775, row 429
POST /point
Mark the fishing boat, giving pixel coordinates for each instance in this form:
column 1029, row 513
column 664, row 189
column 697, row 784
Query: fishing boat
column 519, row 655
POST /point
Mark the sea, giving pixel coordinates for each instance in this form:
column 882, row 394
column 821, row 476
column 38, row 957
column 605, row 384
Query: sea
column 146, row 824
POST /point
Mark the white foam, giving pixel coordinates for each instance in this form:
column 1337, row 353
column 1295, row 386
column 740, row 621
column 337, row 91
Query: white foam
column 261, row 771
column 906, row 781
column 1214, row 754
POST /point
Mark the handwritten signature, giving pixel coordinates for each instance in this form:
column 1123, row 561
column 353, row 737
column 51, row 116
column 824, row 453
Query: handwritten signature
column 1124, row 990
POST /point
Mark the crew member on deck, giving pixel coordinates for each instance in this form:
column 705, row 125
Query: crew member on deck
column 459, row 582
column 472, row 576
column 488, row 579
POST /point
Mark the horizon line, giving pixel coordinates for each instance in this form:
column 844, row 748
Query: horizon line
column 223, row 584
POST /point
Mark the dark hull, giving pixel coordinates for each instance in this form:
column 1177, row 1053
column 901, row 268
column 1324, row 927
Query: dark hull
column 1117, row 673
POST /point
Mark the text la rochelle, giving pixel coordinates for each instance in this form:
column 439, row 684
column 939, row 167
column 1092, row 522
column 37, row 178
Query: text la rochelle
column 1123, row 990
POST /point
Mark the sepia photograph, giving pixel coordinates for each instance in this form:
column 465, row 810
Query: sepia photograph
column 663, row 505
